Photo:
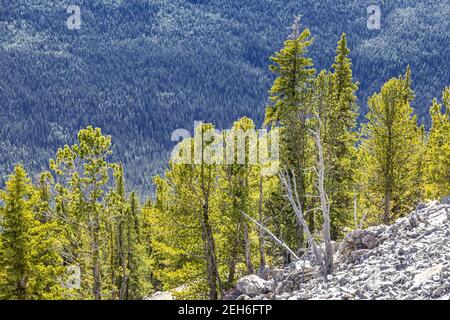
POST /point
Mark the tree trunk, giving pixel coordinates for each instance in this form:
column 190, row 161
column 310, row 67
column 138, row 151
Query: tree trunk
column 247, row 250
column 123, row 263
column 97, row 289
column 234, row 256
column 294, row 198
column 387, row 207
column 232, row 266
column 215, row 286
column 211, row 263
column 300, row 229
column 112, row 261
column 262, row 254
column 355, row 211
column 325, row 207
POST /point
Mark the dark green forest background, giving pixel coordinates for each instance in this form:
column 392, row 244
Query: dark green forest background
column 140, row 69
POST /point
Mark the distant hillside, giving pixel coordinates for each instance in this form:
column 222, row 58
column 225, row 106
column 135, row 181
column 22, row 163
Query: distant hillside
column 140, row 69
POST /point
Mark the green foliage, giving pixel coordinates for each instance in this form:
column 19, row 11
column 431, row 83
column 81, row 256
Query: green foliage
column 390, row 151
column 290, row 106
column 438, row 150
column 30, row 263
column 338, row 111
column 193, row 239
column 140, row 69
column 200, row 241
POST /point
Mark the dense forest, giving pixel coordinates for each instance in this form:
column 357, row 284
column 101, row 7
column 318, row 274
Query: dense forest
column 141, row 69
column 79, row 232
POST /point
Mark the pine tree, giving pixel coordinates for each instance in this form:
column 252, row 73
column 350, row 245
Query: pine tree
column 438, row 150
column 138, row 280
column 32, row 267
column 391, row 137
column 290, row 106
column 83, row 172
column 238, row 175
column 339, row 136
column 186, row 209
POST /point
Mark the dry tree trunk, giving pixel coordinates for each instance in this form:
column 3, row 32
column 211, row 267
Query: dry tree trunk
column 296, row 205
column 325, row 206
column 325, row 259
column 262, row 254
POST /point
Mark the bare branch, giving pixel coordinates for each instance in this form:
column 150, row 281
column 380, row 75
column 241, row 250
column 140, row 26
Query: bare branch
column 324, row 202
column 278, row 241
column 296, row 205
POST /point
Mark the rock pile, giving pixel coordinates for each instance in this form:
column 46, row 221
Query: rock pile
column 407, row 260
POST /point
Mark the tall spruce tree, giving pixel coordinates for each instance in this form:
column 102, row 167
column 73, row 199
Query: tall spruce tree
column 340, row 140
column 290, row 107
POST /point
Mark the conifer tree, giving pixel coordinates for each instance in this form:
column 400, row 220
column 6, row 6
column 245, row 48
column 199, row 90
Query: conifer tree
column 138, row 280
column 82, row 174
column 32, row 267
column 391, row 139
column 340, row 137
column 186, row 209
column 290, row 106
column 238, row 175
column 438, row 150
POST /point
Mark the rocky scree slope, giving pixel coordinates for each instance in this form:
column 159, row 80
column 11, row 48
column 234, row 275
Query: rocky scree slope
column 407, row 260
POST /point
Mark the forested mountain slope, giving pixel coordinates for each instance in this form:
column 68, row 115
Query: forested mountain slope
column 140, row 69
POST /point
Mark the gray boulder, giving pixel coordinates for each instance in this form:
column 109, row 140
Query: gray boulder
column 446, row 200
column 253, row 285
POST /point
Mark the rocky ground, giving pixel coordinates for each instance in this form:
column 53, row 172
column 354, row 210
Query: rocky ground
column 407, row 260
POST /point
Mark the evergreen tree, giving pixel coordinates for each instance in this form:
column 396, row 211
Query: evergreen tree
column 438, row 150
column 82, row 174
column 391, row 141
column 339, row 136
column 186, row 209
column 138, row 280
column 239, row 175
column 32, row 267
column 290, row 106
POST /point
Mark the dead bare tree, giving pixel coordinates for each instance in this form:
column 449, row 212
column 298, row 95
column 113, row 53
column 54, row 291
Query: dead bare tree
column 324, row 203
column 288, row 179
column 289, row 184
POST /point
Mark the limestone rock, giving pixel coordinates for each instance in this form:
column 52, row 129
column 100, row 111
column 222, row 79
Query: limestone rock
column 253, row 285
column 408, row 260
column 160, row 296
